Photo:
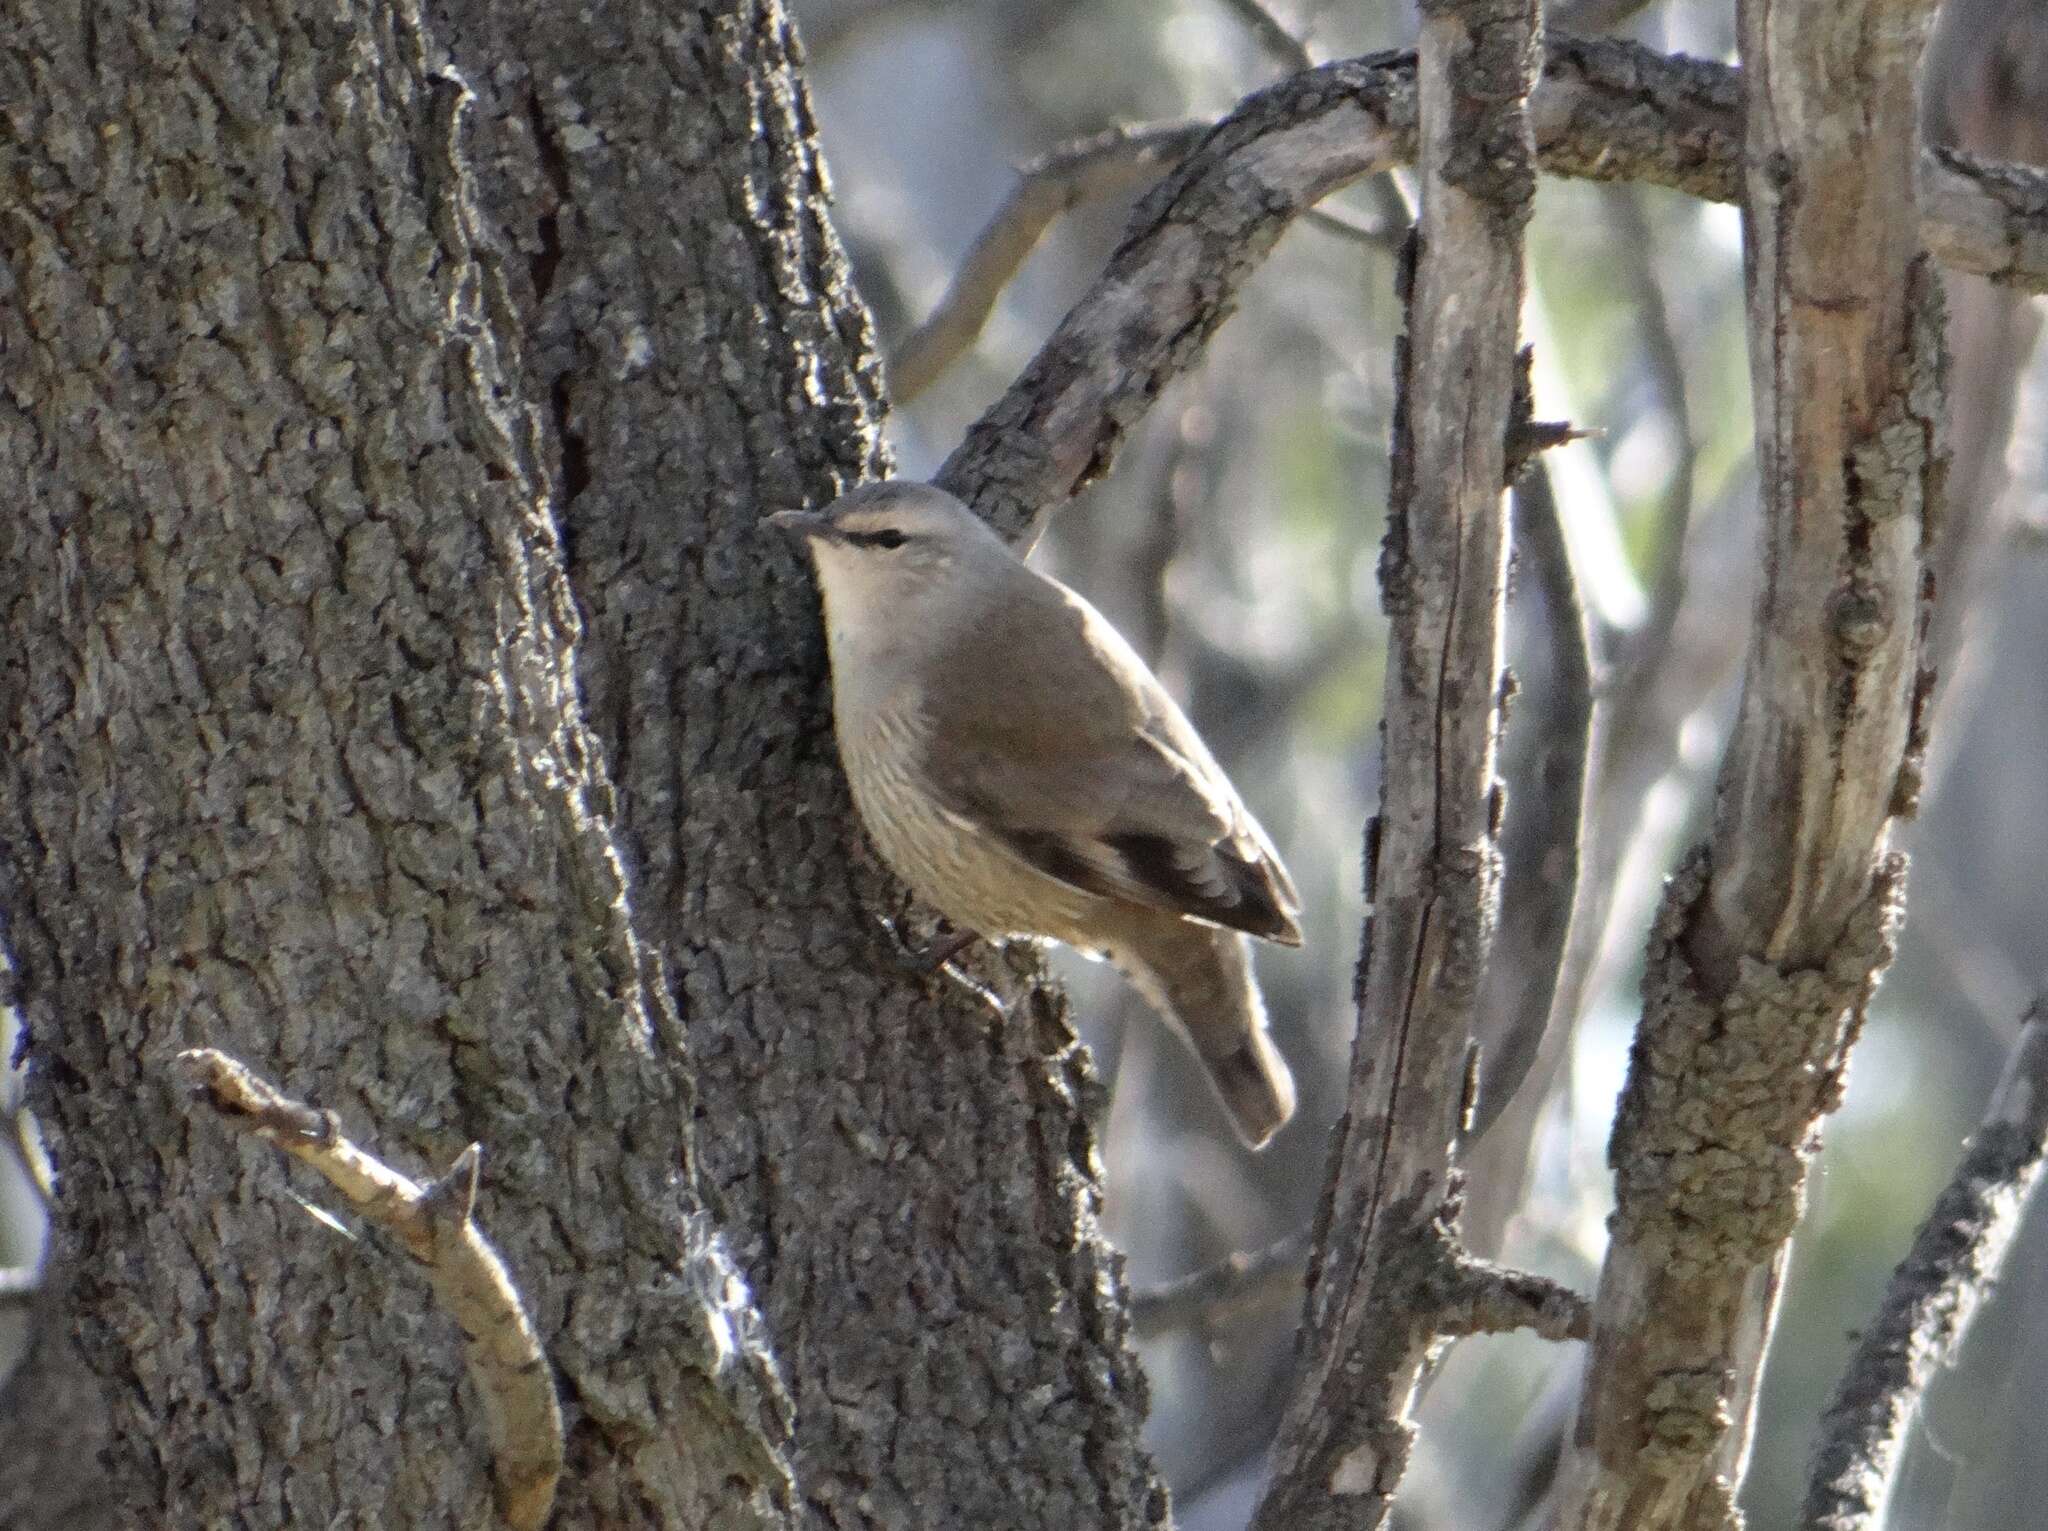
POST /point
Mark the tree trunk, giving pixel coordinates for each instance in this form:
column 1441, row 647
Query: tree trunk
column 296, row 765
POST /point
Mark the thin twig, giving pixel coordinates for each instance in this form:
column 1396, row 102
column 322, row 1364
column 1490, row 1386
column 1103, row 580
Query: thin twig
column 1467, row 1296
column 1566, row 761
column 1635, row 273
column 1051, row 185
column 1287, row 50
column 1235, row 1287
column 435, row 1223
column 1933, row 1296
column 1384, row 237
column 1493, row 1299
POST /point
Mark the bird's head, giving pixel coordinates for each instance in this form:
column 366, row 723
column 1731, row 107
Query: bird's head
column 889, row 549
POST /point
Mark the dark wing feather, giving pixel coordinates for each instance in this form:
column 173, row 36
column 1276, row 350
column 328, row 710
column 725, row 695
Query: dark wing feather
column 1090, row 772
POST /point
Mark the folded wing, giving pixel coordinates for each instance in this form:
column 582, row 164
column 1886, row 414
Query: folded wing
column 1120, row 798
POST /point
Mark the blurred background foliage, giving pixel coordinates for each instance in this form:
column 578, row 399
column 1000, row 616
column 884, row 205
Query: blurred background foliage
column 1236, row 545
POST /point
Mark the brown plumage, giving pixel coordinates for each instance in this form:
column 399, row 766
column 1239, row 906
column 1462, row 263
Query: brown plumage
column 1016, row 763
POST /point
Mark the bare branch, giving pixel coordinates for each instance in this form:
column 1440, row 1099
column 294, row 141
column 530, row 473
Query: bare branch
column 1388, row 1280
column 1492, row 1299
column 1242, row 1283
column 1051, row 185
column 1933, row 1296
column 1604, row 110
column 1987, row 217
column 1465, row 1296
column 1607, row 110
column 1287, row 50
column 1773, row 935
column 1384, row 237
column 435, row 1223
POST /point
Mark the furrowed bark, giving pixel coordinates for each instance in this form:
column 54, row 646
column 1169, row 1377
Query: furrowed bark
column 1773, row 936
column 908, row 1177
column 291, row 763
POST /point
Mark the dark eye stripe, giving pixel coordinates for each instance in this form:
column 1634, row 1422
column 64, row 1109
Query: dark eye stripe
column 887, row 538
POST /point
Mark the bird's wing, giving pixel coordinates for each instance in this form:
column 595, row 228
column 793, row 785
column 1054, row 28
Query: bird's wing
column 1071, row 754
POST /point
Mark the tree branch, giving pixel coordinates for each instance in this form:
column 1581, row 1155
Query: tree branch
column 435, row 1223
column 1773, row 935
column 1485, row 1298
column 1933, row 1296
column 1529, row 986
column 1051, row 185
column 1285, row 49
column 1988, row 217
column 1603, row 110
column 1389, row 1280
column 1241, row 1283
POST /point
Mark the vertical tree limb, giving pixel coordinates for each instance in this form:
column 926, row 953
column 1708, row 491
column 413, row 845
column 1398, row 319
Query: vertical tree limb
column 1773, row 936
column 1387, row 1255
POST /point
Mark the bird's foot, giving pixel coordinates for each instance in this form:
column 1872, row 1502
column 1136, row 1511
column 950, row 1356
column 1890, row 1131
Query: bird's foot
column 927, row 964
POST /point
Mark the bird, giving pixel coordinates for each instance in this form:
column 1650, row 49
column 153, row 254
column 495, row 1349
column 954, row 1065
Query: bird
column 1016, row 763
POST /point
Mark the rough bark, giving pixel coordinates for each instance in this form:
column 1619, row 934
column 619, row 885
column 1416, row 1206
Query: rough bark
column 1774, row 935
column 1387, row 1257
column 293, row 766
column 907, row 1177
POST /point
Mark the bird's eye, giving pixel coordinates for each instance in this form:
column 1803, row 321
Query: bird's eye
column 886, row 539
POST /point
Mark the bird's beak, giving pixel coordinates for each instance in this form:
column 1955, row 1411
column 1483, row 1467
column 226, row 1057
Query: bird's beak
column 803, row 523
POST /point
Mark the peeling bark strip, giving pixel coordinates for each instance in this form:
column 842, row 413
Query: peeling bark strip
column 1389, row 1280
column 1604, row 110
column 1933, row 1296
column 1774, row 937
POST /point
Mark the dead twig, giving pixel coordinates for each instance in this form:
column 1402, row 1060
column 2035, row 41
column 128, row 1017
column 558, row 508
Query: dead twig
column 1933, row 1296
column 435, row 1223
column 1529, row 988
column 1239, row 1285
column 1485, row 1298
column 1053, row 184
column 1286, row 50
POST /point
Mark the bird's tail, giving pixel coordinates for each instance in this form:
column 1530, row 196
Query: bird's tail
column 1200, row 979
